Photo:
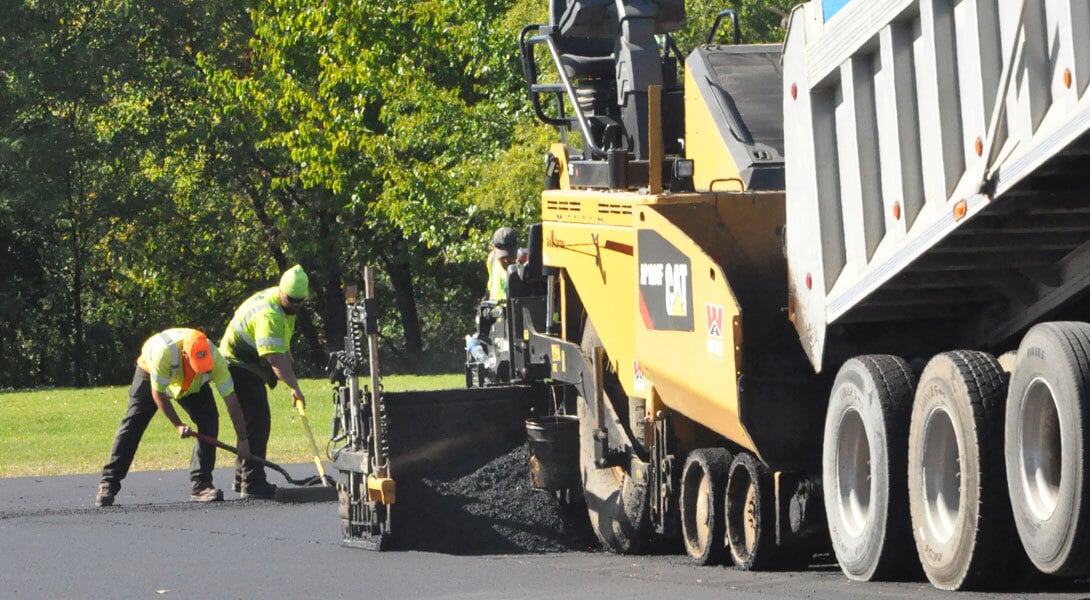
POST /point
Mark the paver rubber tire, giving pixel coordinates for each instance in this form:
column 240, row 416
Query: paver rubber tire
column 865, row 467
column 702, row 500
column 618, row 505
column 957, row 483
column 1047, row 438
column 751, row 514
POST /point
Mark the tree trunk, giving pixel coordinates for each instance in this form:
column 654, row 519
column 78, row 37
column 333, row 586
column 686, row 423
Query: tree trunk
column 401, row 278
column 78, row 352
column 331, row 304
column 329, row 278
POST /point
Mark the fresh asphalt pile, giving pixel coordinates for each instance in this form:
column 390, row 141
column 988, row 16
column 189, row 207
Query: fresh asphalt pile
column 489, row 509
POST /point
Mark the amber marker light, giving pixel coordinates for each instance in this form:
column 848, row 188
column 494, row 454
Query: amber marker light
column 959, row 210
column 897, row 211
column 979, row 146
column 1067, row 78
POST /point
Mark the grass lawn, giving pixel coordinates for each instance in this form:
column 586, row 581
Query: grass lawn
column 70, row 431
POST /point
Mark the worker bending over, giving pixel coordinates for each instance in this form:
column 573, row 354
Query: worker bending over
column 175, row 364
column 257, row 346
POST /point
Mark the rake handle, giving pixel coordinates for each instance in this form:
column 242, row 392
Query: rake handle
column 313, row 445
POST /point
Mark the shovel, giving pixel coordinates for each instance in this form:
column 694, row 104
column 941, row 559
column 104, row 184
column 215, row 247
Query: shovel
column 323, row 480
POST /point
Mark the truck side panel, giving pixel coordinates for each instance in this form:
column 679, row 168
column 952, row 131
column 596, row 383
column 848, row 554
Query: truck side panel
column 910, row 125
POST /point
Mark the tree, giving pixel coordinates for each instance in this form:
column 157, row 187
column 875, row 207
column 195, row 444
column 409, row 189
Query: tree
column 97, row 185
column 363, row 116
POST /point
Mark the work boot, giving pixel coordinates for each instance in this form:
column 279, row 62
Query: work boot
column 262, row 490
column 206, row 493
column 106, row 493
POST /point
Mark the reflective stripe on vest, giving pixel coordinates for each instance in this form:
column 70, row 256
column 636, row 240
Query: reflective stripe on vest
column 175, row 359
column 260, row 304
column 270, row 342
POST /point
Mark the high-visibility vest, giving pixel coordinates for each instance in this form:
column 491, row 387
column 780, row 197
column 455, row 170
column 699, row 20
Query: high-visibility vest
column 497, row 279
column 161, row 357
column 260, row 327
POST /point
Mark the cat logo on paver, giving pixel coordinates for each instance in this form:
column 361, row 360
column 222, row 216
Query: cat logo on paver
column 666, row 289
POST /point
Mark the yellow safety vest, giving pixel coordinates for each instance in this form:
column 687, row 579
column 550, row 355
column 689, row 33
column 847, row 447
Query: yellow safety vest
column 161, row 357
column 497, row 279
column 260, row 327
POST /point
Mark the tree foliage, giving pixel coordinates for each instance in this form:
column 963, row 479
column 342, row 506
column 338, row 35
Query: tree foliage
column 161, row 162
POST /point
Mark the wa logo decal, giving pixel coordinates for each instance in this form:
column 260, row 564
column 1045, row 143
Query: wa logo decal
column 715, row 319
column 714, row 314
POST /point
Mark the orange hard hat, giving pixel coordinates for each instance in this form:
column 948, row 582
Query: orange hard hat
column 199, row 351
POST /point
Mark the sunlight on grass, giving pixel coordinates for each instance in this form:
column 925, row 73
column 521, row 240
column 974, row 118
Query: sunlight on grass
column 70, row 431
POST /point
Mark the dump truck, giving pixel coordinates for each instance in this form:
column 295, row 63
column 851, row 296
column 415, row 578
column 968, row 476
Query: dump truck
column 764, row 304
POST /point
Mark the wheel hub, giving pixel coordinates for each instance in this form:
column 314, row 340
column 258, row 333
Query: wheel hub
column 1040, row 450
column 853, row 473
column 941, row 475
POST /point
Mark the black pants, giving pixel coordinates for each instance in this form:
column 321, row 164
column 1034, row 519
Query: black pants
column 254, row 399
column 201, row 408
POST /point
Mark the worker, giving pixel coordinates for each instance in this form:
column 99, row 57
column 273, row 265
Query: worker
column 176, row 364
column 257, row 346
column 505, row 242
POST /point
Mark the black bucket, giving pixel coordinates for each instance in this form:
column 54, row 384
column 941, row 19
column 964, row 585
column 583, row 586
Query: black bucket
column 554, row 452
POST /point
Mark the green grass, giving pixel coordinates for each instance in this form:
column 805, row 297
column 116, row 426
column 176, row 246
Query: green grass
column 70, row 431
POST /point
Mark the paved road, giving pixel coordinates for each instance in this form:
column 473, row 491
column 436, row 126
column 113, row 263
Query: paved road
column 55, row 544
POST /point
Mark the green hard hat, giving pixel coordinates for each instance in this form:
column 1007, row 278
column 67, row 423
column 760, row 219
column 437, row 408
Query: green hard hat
column 294, row 283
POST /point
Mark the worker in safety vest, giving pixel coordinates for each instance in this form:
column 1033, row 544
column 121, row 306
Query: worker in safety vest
column 175, row 364
column 257, row 346
column 505, row 243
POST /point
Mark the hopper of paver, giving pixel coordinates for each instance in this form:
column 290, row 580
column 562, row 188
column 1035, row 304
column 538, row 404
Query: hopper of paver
column 383, row 438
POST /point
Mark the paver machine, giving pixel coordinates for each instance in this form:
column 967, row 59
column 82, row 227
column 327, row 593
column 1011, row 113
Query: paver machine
column 772, row 283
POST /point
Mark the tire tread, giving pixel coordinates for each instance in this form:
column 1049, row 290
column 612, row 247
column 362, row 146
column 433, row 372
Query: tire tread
column 900, row 386
column 1077, row 335
column 986, row 388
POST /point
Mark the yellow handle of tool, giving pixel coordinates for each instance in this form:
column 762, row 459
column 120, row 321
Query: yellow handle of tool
column 310, row 438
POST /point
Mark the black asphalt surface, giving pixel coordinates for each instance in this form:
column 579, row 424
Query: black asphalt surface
column 55, row 544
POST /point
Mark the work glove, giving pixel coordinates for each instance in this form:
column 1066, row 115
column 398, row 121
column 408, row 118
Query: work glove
column 184, row 431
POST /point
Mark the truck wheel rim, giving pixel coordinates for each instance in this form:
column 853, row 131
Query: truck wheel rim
column 742, row 510
column 941, row 463
column 751, row 518
column 1040, row 450
column 703, row 504
column 853, row 473
column 697, row 510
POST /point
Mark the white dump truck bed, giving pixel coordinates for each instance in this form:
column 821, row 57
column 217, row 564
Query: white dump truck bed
column 936, row 160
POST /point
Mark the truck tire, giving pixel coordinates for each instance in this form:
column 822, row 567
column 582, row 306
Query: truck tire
column 703, row 504
column 616, row 503
column 961, row 516
column 865, row 467
column 1047, row 437
column 751, row 514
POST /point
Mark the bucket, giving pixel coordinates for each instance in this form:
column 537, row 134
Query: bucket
column 554, row 451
